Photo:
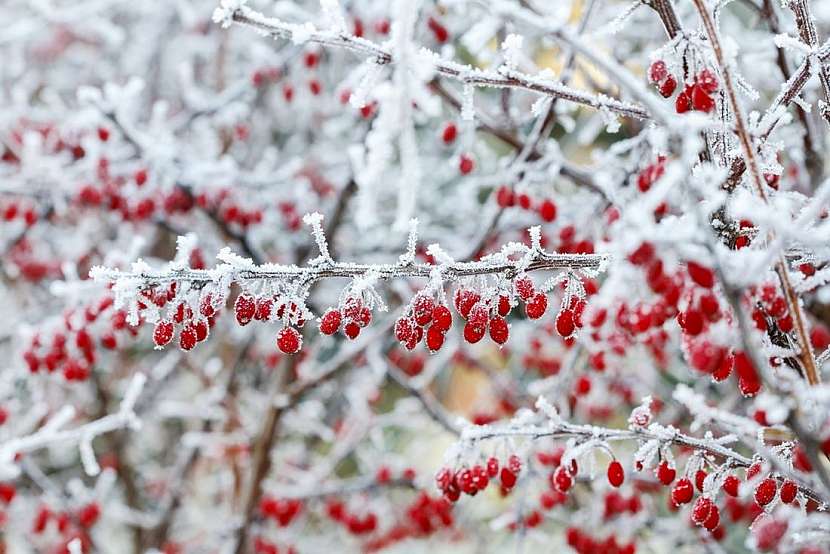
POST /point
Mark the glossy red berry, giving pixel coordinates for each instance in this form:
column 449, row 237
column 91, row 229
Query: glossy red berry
column 508, row 478
column 765, row 491
column 351, row 330
column 434, row 338
column 330, row 322
column 547, row 211
column 701, row 274
column 163, row 332
column 666, row 473
column 713, row 519
column 668, row 87
column 473, row 333
column 492, row 467
column 562, row 479
column 536, row 306
column 505, row 197
column 700, row 477
column 616, row 474
column 565, row 323
column 701, row 101
column 788, row 491
column 289, row 340
column 682, row 491
column 499, row 330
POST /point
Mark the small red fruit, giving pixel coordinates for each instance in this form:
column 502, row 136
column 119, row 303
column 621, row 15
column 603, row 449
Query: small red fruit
column 330, row 322
column 765, row 491
column 163, row 332
column 682, row 491
column 289, row 340
column 616, row 474
column 536, row 306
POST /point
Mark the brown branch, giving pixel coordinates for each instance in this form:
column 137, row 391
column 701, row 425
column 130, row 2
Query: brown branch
column 805, row 354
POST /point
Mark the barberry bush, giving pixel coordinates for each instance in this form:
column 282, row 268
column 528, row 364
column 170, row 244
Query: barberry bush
column 414, row 276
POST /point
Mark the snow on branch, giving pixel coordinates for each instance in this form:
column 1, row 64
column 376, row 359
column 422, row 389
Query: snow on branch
column 504, row 78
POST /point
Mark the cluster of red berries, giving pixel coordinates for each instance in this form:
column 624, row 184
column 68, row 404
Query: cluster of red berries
column 425, row 318
column 227, row 209
column 352, row 318
column 109, row 193
column 72, row 348
column 425, row 515
column 616, row 504
column 771, row 304
column 19, row 209
column 34, row 263
column 651, row 173
column 411, row 364
column 265, row 76
column 472, row 480
column 695, row 96
column 70, row 526
column 354, row 523
column 53, row 141
column 584, row 543
column 194, row 327
column 507, row 198
column 282, row 511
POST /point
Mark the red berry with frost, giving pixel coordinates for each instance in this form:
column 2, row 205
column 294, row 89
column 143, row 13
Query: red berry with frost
column 700, row 477
column 730, row 485
column 658, row 71
column 701, row 101
column 202, row 328
column 441, row 318
column 713, row 519
column 422, row 309
column 505, row 197
column 788, row 491
column 765, row 491
column 163, row 332
column 524, row 287
column 330, row 322
column 707, row 81
column 701, row 509
column 351, row 330
column 492, row 467
column 536, row 306
column 503, row 305
column 682, row 491
column 565, row 323
column 187, row 338
column 478, row 316
column 615, row 473
column 244, row 308
column 473, row 333
column 508, row 478
column 668, row 87
column 404, row 327
column 464, row 301
column 289, row 340
column 264, row 308
column 562, row 479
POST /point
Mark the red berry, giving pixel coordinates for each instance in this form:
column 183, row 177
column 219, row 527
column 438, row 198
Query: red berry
column 403, row 329
column 682, row 491
column 508, row 478
column 548, row 211
column 700, row 477
column 658, row 71
column 753, row 470
column 479, row 315
column 788, row 491
column 565, row 323
column 668, row 87
column 351, row 330
column 701, row 509
column 765, row 491
column 188, row 338
column 89, row 514
column 616, row 474
column 449, row 133
column 201, row 327
column 707, row 81
column 666, row 473
column 536, row 306
column 422, row 309
column 441, row 318
column 289, row 340
column 464, row 301
column 103, row 134
column 713, row 519
column 163, row 332
column 683, row 102
column 473, row 333
column 499, row 330
column 465, row 164
column 562, row 479
column 264, row 307
column 701, row 101
column 701, row 274
column 435, row 338
column 730, row 485
column 504, row 305
column 492, row 467
column 505, row 196
column 245, row 308
column 330, row 322
column 439, row 31
column 524, row 287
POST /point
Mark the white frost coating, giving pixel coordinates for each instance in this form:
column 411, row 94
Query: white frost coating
column 314, row 220
column 512, row 47
column 468, row 110
column 333, row 15
column 224, row 12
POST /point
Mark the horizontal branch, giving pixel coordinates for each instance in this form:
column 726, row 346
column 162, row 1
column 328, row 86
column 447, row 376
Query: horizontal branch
column 459, row 72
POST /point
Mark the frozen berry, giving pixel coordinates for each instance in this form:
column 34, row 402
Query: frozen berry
column 289, row 340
